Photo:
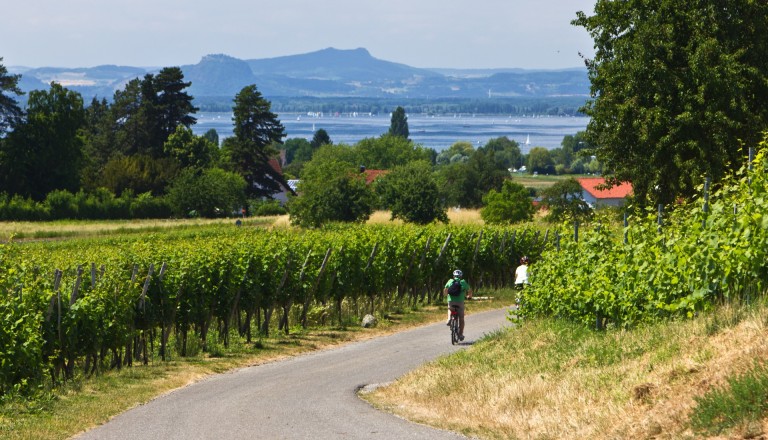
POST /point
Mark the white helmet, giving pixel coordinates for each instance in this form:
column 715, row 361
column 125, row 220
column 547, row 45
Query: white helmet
column 457, row 273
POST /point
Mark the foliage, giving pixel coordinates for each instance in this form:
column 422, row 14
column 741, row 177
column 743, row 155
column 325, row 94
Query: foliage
column 319, row 139
column 506, row 151
column 209, row 193
column 9, row 107
column 151, row 287
column 459, row 151
column 330, row 190
column 411, row 193
column 388, row 151
column 189, row 150
column 44, row 150
column 510, row 205
column 540, row 161
column 256, row 131
column 398, row 125
column 139, row 174
column 678, row 92
column 266, row 208
column 702, row 253
column 564, row 200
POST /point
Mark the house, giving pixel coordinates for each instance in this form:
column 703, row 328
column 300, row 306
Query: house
column 282, row 195
column 594, row 196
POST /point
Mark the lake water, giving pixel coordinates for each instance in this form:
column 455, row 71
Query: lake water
column 437, row 132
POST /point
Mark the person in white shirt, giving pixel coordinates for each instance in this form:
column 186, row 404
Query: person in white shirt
column 521, row 273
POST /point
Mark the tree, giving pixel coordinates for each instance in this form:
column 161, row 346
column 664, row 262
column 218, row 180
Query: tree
column 510, row 205
column 388, row 151
column 256, row 130
column 213, row 136
column 174, row 105
column 411, row 193
column 564, row 201
column 44, row 152
column 138, row 173
column 189, row 150
column 540, row 161
column 678, row 91
column 320, row 138
column 459, row 151
column 398, row 125
column 9, row 108
column 506, row 150
column 330, row 190
column 208, row 193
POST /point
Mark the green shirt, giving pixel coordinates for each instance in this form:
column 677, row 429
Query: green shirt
column 464, row 289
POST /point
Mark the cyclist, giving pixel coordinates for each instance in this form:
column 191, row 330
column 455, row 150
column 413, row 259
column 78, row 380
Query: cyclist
column 457, row 299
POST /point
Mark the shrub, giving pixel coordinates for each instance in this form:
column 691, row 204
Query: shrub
column 266, row 208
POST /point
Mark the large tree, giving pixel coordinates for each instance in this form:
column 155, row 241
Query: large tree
column 398, row 125
column 678, row 90
column 512, row 204
column 9, row 108
column 387, row 151
column 506, row 150
column 256, row 131
column 411, row 193
column 44, row 151
column 330, row 190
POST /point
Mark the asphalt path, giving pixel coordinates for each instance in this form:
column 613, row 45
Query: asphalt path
column 310, row 396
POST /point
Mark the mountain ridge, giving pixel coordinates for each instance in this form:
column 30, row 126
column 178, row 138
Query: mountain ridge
column 328, row 72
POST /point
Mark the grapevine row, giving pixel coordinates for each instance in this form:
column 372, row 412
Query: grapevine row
column 712, row 250
column 107, row 304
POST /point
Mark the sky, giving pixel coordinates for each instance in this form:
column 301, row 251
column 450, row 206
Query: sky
column 530, row 34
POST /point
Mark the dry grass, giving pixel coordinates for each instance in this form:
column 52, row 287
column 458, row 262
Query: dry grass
column 541, row 381
column 456, row 216
column 89, row 228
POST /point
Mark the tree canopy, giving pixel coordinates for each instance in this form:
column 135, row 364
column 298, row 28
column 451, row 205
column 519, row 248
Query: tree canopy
column 44, row 151
column 256, row 131
column 9, row 107
column 330, row 190
column 411, row 193
column 510, row 205
column 678, row 90
column 398, row 125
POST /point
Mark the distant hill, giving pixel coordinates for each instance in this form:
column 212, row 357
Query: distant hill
column 327, row 73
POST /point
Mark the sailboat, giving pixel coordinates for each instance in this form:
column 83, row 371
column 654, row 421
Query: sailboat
column 528, row 140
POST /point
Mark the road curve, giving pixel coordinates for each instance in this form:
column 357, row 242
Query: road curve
column 311, row 396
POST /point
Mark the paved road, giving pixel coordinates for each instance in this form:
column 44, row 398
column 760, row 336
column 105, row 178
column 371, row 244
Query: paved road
column 312, row 396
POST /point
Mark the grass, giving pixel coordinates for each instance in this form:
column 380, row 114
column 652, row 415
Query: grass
column 548, row 379
column 542, row 181
column 88, row 228
column 88, row 401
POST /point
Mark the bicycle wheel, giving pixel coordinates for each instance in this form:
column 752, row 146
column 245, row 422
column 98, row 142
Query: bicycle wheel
column 454, row 330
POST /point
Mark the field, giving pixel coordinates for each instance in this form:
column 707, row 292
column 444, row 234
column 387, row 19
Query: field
column 541, row 182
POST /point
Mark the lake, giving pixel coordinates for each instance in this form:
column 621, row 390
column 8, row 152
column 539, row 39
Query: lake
column 437, row 132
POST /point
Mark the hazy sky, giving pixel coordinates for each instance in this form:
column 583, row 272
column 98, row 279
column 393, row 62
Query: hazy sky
column 419, row 33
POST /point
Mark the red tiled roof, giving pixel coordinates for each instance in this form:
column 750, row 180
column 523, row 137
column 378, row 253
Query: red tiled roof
column 371, row 175
column 617, row 192
column 275, row 164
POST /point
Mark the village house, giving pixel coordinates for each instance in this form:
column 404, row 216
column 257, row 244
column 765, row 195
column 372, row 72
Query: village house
column 595, row 197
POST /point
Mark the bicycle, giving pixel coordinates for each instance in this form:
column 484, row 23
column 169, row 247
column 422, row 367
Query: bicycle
column 453, row 324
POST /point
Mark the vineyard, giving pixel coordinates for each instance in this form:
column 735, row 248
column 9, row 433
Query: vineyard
column 661, row 265
column 80, row 307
